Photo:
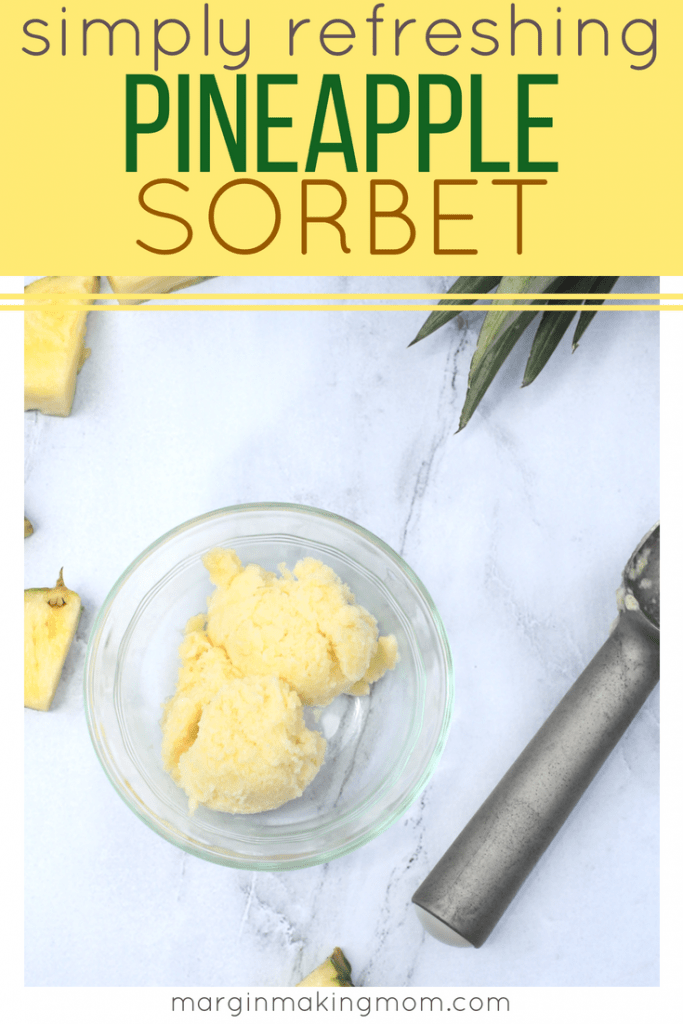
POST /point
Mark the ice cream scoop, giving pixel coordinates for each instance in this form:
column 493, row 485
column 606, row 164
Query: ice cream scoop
column 467, row 892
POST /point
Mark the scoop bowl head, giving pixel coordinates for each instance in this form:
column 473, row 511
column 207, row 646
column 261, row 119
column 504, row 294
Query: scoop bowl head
column 639, row 588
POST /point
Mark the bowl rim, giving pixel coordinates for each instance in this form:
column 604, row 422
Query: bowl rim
column 170, row 832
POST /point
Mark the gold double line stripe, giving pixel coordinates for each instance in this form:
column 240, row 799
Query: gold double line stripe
column 340, row 301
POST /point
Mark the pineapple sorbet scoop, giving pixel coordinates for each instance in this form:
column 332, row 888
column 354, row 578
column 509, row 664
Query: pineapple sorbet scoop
column 462, row 899
column 234, row 736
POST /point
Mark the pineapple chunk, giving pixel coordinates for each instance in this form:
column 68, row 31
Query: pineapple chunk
column 151, row 285
column 335, row 972
column 53, row 346
column 51, row 616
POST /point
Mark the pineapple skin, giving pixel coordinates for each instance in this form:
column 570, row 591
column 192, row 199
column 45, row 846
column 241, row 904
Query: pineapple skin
column 335, row 972
column 151, row 285
column 51, row 617
column 53, row 346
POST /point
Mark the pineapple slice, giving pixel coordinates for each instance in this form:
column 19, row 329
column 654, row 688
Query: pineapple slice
column 51, row 616
column 335, row 972
column 53, row 346
column 151, row 285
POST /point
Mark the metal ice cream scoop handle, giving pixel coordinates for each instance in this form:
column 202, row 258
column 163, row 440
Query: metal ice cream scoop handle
column 464, row 896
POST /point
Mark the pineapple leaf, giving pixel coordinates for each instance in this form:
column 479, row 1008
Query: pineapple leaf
column 462, row 285
column 335, row 972
column 494, row 347
column 603, row 284
column 553, row 326
column 496, row 321
column 342, row 967
column 501, row 330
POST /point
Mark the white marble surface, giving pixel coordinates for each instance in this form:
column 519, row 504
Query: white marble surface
column 519, row 527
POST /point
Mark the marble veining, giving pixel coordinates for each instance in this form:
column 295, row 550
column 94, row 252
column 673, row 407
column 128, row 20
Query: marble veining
column 519, row 527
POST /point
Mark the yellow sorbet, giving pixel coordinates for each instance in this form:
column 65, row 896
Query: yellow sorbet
column 305, row 627
column 234, row 736
column 252, row 751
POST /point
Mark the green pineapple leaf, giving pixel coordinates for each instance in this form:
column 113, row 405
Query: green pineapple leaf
column 462, row 285
column 553, row 326
column 496, row 321
column 335, row 972
column 603, row 284
column 499, row 334
column 502, row 329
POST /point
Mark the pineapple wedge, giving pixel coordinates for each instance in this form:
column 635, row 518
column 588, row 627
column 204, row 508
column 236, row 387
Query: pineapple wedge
column 335, row 972
column 151, row 285
column 53, row 346
column 51, row 616
column 28, row 527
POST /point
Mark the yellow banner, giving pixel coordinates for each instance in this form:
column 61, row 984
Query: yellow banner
column 356, row 138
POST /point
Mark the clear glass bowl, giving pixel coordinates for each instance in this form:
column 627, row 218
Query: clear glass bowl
column 381, row 749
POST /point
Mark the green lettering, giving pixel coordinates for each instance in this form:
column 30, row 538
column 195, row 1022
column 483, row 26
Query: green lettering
column 264, row 122
column 183, row 122
column 375, row 127
column 331, row 87
column 525, row 122
column 133, row 126
column 476, row 144
column 236, row 141
column 426, row 128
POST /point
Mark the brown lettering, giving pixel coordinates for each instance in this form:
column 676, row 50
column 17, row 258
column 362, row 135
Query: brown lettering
column 332, row 218
column 520, row 183
column 439, row 216
column 276, row 209
column 398, row 212
column 160, row 213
